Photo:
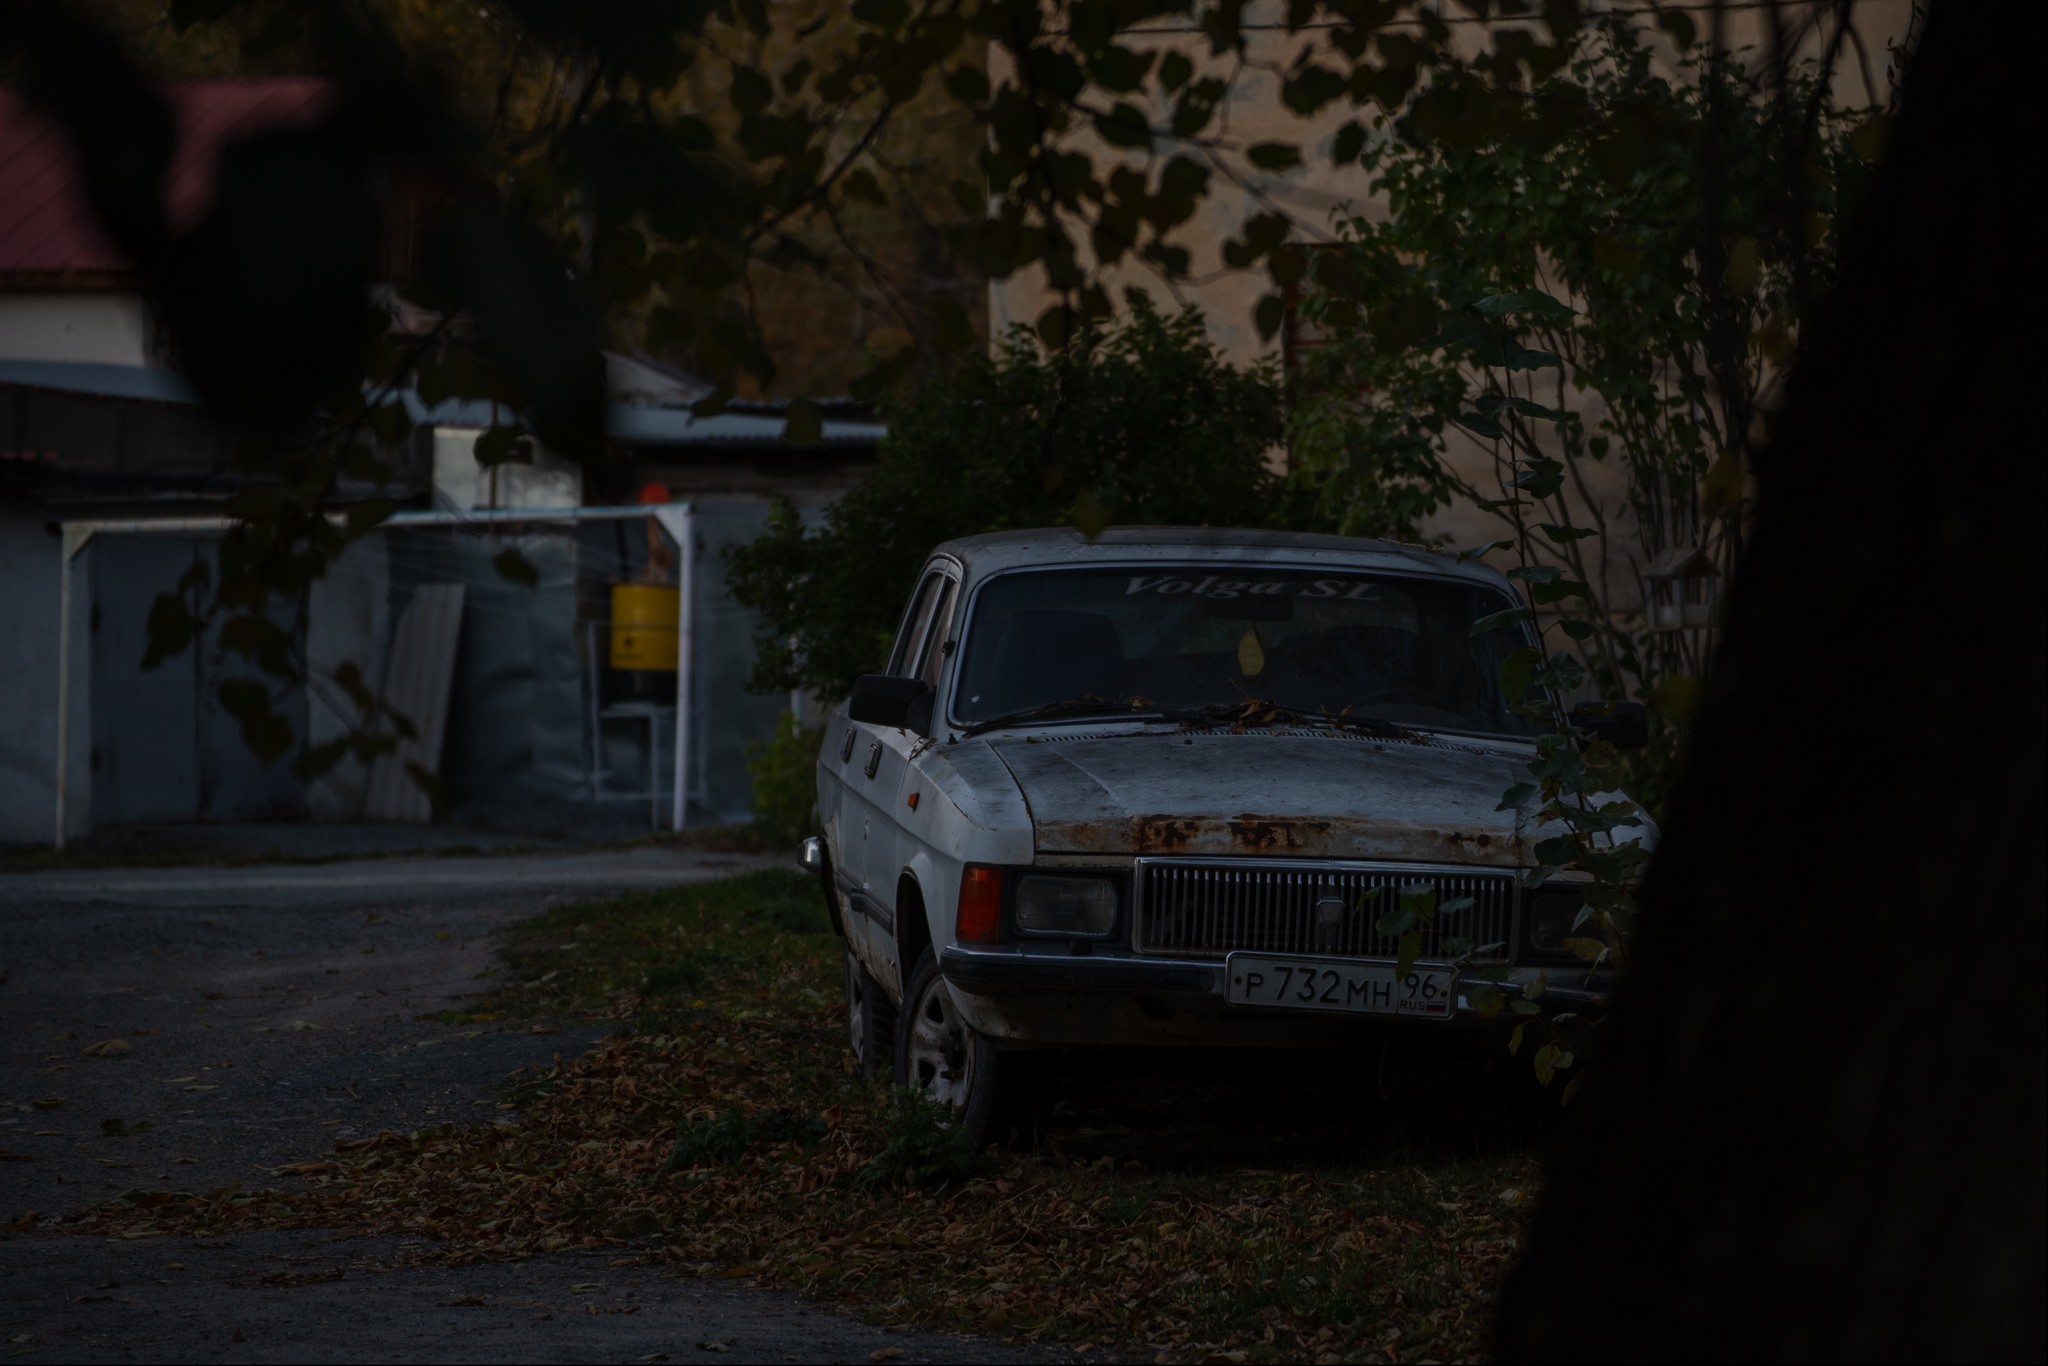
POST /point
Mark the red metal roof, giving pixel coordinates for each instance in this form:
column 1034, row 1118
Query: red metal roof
column 48, row 233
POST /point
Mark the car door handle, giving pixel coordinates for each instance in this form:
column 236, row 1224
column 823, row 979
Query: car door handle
column 874, row 756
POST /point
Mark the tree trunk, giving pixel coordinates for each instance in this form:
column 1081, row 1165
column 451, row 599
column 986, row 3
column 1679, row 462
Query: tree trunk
column 1817, row 1131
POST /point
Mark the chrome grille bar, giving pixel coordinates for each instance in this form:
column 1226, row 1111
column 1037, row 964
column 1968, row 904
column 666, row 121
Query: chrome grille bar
column 1206, row 909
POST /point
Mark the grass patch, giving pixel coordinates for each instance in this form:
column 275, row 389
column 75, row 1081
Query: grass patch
column 1178, row 1206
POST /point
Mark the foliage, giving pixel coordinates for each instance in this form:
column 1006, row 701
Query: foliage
column 735, row 1133
column 663, row 177
column 1687, row 225
column 1138, row 422
column 785, row 780
column 1286, row 1214
column 921, row 1147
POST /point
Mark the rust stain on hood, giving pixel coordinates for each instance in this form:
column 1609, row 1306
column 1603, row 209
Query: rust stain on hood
column 1269, row 795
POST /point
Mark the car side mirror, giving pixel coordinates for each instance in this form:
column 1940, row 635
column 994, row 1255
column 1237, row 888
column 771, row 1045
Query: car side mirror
column 881, row 700
column 1625, row 725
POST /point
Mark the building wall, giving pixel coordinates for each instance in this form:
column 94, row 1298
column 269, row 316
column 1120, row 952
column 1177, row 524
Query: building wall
column 547, row 481
column 1315, row 191
column 105, row 327
column 348, row 621
column 30, row 559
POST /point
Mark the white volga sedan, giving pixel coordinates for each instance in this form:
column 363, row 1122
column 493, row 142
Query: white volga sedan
column 1174, row 786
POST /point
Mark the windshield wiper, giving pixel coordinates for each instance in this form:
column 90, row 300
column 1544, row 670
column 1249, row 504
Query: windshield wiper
column 1255, row 711
column 1066, row 706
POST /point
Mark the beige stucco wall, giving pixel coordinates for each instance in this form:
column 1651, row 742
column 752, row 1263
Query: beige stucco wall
column 1314, row 191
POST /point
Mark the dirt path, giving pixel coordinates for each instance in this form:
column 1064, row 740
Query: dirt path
column 190, row 1028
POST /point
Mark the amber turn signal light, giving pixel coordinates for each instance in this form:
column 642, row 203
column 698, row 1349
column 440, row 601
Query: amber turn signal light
column 980, row 917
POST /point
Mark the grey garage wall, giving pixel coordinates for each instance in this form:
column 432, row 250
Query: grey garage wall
column 30, row 555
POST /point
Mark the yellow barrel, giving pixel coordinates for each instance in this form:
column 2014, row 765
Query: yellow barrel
column 644, row 617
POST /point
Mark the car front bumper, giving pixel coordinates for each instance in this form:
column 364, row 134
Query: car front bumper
column 1043, row 995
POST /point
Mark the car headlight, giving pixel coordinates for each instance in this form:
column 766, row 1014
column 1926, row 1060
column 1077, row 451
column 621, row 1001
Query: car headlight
column 1079, row 906
column 1553, row 918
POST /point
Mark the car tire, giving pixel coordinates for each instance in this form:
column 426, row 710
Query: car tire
column 870, row 1020
column 939, row 1055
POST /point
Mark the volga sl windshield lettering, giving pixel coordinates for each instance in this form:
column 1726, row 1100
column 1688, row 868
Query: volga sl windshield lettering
column 1221, row 589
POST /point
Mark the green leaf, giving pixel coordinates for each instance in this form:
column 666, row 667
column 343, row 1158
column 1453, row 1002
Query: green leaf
column 1541, row 477
column 1175, row 70
column 1546, row 593
column 1592, row 950
column 1419, row 897
column 1347, row 145
column 1274, row 156
column 1310, row 88
column 803, row 425
column 1397, row 922
column 1269, row 315
column 1565, row 535
column 1466, row 556
column 967, row 85
column 500, row 445
column 1493, row 621
column 1679, row 25
column 1531, row 301
column 512, row 565
column 268, row 735
column 1516, row 671
column 1404, row 960
column 1124, row 126
column 1545, row 1063
column 1515, row 796
column 169, row 630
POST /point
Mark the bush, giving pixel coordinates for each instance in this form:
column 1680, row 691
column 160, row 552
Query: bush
column 1137, row 422
column 784, row 773
column 923, row 1147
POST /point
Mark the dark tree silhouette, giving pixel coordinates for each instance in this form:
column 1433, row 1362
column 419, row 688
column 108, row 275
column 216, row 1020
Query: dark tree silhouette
column 1819, row 1129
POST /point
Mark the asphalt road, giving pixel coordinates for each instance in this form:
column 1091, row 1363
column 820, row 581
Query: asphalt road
column 187, row 1028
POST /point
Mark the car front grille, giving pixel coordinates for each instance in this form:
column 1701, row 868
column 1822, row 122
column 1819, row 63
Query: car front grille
column 1190, row 909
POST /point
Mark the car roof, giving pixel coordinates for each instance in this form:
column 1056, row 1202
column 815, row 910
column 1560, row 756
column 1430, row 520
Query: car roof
column 1049, row 546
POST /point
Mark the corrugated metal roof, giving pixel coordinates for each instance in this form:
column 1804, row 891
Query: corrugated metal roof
column 659, row 426
column 48, row 230
column 626, row 422
column 106, row 381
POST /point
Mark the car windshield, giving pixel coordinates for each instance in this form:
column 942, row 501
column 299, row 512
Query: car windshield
column 1182, row 638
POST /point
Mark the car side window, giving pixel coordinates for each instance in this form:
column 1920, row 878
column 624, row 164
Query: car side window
column 936, row 637
column 910, row 642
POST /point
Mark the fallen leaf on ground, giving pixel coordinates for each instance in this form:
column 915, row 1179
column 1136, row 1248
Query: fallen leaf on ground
column 108, row 1048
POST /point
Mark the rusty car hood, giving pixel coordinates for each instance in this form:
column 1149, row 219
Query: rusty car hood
column 1288, row 794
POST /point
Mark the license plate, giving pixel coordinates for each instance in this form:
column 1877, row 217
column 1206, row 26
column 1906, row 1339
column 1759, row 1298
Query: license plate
column 1348, row 988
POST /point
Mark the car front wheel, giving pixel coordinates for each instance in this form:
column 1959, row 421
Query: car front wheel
column 940, row 1056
